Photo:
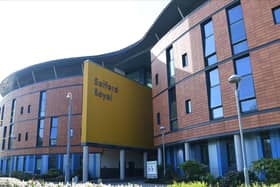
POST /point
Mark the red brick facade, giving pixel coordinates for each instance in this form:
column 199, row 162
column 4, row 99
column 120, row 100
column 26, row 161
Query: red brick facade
column 56, row 106
column 186, row 37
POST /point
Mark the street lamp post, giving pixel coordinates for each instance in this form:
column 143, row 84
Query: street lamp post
column 162, row 129
column 235, row 79
column 67, row 170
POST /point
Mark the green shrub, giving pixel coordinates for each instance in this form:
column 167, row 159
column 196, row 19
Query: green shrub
column 270, row 168
column 190, row 184
column 235, row 178
column 21, row 175
column 194, row 170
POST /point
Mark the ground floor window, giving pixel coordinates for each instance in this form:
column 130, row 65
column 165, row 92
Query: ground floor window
column 266, row 145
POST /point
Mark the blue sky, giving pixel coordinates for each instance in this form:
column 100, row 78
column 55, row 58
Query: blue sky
column 37, row 31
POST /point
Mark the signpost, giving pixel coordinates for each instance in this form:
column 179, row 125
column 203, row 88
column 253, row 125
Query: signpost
column 152, row 172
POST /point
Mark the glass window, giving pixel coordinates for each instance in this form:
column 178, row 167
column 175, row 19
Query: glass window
column 53, row 134
column 185, row 61
column 235, row 14
column 204, row 154
column 217, row 113
column 276, row 15
column 237, row 29
column 170, row 67
column 243, row 66
column 156, row 77
column 240, row 47
column 231, row 155
column 188, row 106
column 52, row 161
column 13, row 110
column 246, row 87
column 3, row 144
column 215, row 98
column 158, row 118
column 26, row 136
column 237, row 32
column 19, row 137
column 172, row 103
column 5, row 132
column 248, row 105
column 21, row 110
column 40, row 135
column 42, row 104
column 174, row 124
column 208, row 29
column 211, row 59
column 38, row 164
column 214, row 77
column 266, row 145
column 209, row 43
column 2, row 113
column 29, row 109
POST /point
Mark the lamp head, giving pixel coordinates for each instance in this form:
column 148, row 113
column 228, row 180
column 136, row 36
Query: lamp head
column 234, row 79
column 69, row 95
column 162, row 128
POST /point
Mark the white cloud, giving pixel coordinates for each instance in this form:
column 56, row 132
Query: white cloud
column 37, row 31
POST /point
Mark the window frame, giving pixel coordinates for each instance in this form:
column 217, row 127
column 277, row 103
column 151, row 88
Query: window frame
column 230, row 31
column 245, row 75
column 188, row 106
column 274, row 17
column 185, row 60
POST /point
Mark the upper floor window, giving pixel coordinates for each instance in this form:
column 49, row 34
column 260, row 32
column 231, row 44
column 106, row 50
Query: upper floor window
column 237, row 29
column 5, row 132
column 13, row 110
column 2, row 114
column 156, row 79
column 26, row 136
column 19, row 137
column 21, row 110
column 215, row 98
column 276, row 15
column 172, row 109
column 158, row 118
column 40, row 133
column 209, row 43
column 29, row 109
column 53, row 134
column 42, row 104
column 247, row 97
column 185, row 61
column 170, row 66
column 188, row 106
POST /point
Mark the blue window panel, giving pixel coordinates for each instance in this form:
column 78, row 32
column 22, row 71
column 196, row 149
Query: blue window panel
column 243, row 66
column 246, row 88
column 212, row 60
column 42, row 104
column 240, row 47
column 237, row 32
column 208, row 29
column 214, row 77
column 276, row 15
column 235, row 14
column 215, row 97
column 217, row 113
column 248, row 105
column 209, row 45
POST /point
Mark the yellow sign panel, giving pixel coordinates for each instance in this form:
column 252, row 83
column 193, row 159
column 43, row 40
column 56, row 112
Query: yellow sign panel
column 116, row 111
